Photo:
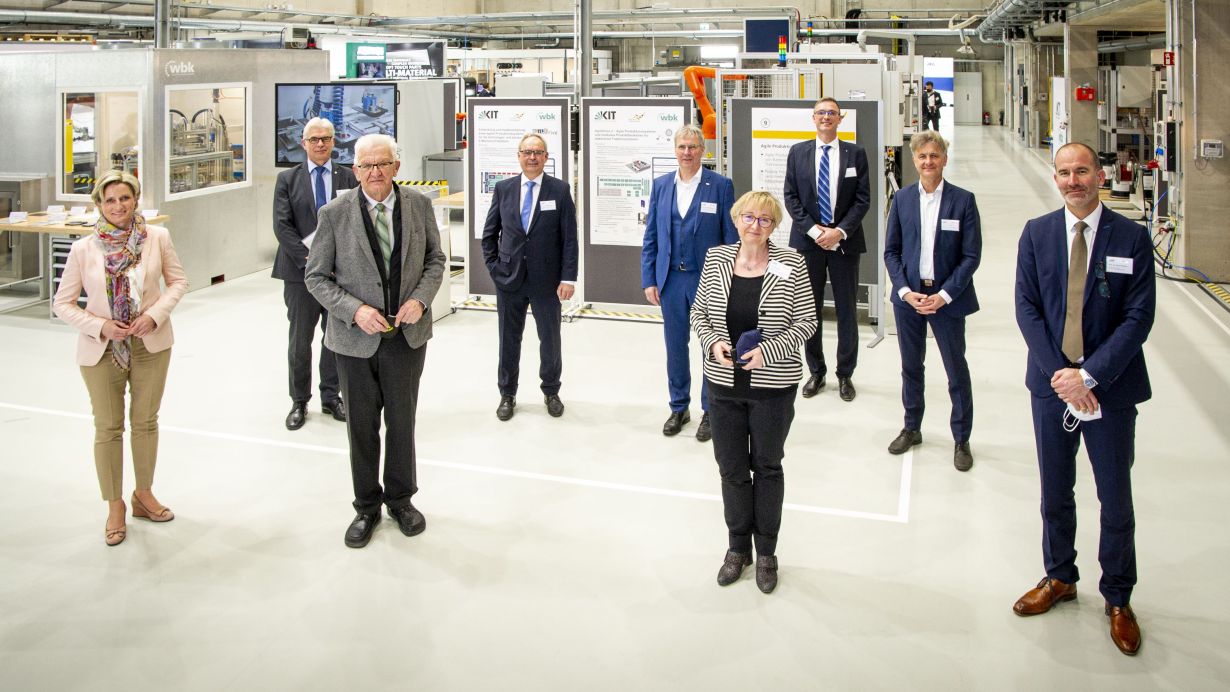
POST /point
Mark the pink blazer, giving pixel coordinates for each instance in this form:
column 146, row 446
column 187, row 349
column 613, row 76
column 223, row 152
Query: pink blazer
column 85, row 269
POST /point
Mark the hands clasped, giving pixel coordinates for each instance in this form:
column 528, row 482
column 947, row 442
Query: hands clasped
column 115, row 330
column 723, row 353
column 1070, row 386
column 924, row 304
column 371, row 321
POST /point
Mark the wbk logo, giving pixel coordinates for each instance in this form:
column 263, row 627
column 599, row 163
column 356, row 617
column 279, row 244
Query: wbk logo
column 604, row 115
column 178, row 68
column 669, row 117
column 546, row 116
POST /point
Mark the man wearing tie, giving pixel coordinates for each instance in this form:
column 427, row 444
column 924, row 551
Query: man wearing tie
column 530, row 248
column 827, row 193
column 689, row 212
column 298, row 194
column 375, row 265
column 1085, row 300
column 933, row 246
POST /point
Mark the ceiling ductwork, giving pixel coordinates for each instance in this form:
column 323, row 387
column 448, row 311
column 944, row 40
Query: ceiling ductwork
column 1009, row 19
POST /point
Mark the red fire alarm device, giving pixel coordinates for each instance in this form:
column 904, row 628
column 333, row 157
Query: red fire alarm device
column 1168, row 58
column 1085, row 94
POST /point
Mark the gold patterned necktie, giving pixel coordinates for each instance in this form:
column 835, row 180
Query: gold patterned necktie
column 1078, row 270
column 382, row 235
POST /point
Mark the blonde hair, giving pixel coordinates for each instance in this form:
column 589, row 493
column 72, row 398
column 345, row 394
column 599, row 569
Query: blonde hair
column 115, row 176
column 757, row 199
column 926, row 137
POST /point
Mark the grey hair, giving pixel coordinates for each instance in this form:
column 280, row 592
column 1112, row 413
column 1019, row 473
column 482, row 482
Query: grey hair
column 534, row 135
column 926, row 137
column 115, row 176
column 318, row 123
column 368, row 142
column 692, row 132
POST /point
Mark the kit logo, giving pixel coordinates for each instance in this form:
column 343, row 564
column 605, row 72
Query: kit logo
column 178, row 68
column 488, row 115
column 604, row 115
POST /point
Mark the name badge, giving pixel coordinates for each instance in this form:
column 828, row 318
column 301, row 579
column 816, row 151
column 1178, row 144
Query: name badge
column 950, row 224
column 778, row 269
column 851, row 172
column 77, row 211
column 18, row 216
column 708, row 207
column 149, row 213
column 546, row 205
column 1119, row 265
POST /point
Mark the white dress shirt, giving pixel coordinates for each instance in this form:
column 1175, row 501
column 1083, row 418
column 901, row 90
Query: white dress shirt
column 685, row 192
column 328, row 179
column 388, row 205
column 521, row 198
column 929, row 220
column 835, row 174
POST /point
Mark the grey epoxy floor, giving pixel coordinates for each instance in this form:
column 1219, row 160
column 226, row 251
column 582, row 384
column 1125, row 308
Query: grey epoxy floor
column 581, row 552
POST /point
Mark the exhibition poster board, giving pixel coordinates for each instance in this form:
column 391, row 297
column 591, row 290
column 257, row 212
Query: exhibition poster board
column 939, row 72
column 495, row 127
column 627, row 143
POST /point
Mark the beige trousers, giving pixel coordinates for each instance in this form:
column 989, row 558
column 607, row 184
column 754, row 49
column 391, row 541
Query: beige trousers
column 106, row 384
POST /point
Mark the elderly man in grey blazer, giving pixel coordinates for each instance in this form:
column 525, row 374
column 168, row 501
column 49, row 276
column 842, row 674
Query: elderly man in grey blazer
column 375, row 265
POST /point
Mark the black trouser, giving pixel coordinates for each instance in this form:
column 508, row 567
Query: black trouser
column 749, row 441
column 304, row 312
column 511, row 307
column 842, row 270
column 933, row 119
column 388, row 380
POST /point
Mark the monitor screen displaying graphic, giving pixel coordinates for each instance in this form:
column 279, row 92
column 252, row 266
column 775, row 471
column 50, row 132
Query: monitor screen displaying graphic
column 355, row 109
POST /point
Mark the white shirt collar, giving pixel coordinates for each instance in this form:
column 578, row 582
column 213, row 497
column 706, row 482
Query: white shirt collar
column 938, row 190
column 312, row 167
column 691, row 183
column 537, row 181
column 387, row 201
column 821, row 143
column 1094, row 218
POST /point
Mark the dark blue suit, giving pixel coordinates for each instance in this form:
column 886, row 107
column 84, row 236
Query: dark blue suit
column 672, row 256
column 1117, row 316
column 957, row 252
column 527, row 268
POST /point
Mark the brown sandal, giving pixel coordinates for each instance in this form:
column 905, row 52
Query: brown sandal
column 139, row 511
column 115, row 537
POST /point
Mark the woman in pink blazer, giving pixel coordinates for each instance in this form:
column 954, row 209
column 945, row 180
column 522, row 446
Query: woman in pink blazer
column 125, row 339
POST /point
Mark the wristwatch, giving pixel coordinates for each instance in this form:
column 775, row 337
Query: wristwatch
column 1088, row 380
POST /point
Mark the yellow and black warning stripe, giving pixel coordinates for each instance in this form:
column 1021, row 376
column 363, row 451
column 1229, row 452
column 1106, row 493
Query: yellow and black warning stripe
column 1217, row 292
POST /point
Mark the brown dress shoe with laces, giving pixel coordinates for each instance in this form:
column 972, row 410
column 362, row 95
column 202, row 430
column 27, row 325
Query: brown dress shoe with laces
column 1041, row 598
column 1124, row 631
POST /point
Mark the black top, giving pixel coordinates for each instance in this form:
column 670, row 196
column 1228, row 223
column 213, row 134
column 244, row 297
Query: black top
column 742, row 315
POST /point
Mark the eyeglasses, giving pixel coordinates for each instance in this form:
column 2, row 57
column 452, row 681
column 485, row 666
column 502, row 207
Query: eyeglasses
column 827, row 112
column 532, row 152
column 382, row 165
column 762, row 221
column 320, row 140
column 688, row 147
column 1099, row 272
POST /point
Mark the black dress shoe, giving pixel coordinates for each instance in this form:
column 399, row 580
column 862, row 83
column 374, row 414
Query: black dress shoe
column 908, row 438
column 409, row 520
column 732, row 567
column 505, row 410
column 845, row 388
column 675, row 423
column 555, row 407
column 814, row 385
column 361, row 529
column 962, row 457
column 296, row 417
column 766, row 573
column 335, row 408
column 704, row 431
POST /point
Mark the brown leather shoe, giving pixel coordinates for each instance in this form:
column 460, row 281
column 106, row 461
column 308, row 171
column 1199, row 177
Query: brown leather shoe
column 1041, row 598
column 1124, row 631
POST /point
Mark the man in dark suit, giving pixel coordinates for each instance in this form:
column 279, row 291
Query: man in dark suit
column 298, row 194
column 1085, row 301
column 689, row 212
column 932, row 103
column 828, row 192
column 530, row 248
column 375, row 265
column 933, row 246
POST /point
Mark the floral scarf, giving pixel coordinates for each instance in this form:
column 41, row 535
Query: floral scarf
column 121, row 254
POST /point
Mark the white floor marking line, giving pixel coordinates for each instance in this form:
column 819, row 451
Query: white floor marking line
column 1183, row 289
column 901, row 517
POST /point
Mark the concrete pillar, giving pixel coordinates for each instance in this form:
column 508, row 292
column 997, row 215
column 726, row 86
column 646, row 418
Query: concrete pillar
column 1080, row 68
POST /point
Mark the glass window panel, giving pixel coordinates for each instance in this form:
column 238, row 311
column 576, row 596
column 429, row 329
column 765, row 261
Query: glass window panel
column 101, row 133
column 206, row 133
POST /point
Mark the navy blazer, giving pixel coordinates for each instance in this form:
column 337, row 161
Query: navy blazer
column 294, row 215
column 803, row 204
column 956, row 253
column 552, row 233
column 1118, row 310
column 710, row 229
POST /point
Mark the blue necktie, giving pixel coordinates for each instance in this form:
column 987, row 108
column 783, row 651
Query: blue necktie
column 822, row 188
column 527, row 205
column 320, row 187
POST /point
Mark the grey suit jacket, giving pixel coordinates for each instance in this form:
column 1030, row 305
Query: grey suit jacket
column 342, row 274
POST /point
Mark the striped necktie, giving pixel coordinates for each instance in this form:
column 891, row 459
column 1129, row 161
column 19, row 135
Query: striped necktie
column 1078, row 270
column 822, row 188
column 382, row 235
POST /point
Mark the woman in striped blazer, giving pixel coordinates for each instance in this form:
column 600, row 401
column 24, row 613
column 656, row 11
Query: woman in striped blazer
column 756, row 296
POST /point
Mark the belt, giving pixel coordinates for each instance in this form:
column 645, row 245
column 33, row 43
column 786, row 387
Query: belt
column 928, row 283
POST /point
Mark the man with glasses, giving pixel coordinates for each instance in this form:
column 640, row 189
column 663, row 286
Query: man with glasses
column 530, row 248
column 1085, row 300
column 375, row 265
column 689, row 212
column 298, row 194
column 827, row 193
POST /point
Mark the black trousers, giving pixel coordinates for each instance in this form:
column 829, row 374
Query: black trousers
column 304, row 312
column 949, row 334
column 931, row 121
column 749, row 442
column 842, row 271
column 511, row 307
column 388, row 381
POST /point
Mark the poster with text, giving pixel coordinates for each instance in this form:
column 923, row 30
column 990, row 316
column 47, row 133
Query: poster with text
column 496, row 130
column 938, row 71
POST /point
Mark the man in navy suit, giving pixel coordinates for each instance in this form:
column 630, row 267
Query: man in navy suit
column 827, row 193
column 689, row 212
column 1085, row 303
column 530, row 248
column 933, row 246
column 297, row 195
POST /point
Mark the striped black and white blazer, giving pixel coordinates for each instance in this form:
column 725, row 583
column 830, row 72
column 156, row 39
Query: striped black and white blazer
column 786, row 315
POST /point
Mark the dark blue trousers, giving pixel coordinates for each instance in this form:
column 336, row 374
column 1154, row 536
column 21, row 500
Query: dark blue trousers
column 1112, row 447
column 676, row 297
column 511, row 307
column 949, row 334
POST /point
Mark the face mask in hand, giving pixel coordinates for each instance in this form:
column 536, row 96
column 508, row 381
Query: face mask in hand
column 1073, row 417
